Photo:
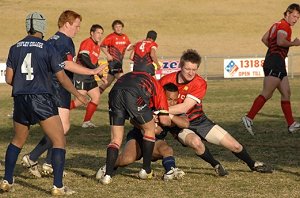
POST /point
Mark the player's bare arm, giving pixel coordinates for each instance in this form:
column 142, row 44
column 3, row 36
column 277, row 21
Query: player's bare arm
column 154, row 57
column 9, row 75
column 107, row 54
column 264, row 39
column 283, row 42
column 78, row 69
column 181, row 108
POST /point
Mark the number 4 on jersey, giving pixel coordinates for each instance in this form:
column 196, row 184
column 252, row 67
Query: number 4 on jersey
column 26, row 67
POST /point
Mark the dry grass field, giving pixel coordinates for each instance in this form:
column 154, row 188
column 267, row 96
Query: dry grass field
column 214, row 28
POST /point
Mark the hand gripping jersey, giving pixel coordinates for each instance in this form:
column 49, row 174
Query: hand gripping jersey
column 142, row 59
column 281, row 25
column 92, row 49
column 142, row 84
column 33, row 62
column 116, row 44
column 194, row 89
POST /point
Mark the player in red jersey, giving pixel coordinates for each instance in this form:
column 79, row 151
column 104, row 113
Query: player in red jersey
column 278, row 41
column 133, row 96
column 114, row 46
column 192, row 89
column 144, row 54
column 88, row 56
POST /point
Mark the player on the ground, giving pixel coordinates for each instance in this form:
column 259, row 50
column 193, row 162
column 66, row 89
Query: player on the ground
column 132, row 96
column 30, row 64
column 114, row 46
column 69, row 24
column 88, row 55
column 133, row 148
column 278, row 41
column 192, row 89
column 144, row 54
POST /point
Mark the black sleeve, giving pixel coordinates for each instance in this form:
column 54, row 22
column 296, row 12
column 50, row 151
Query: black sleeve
column 86, row 61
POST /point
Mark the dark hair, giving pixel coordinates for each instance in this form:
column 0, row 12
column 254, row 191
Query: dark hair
column 170, row 87
column 190, row 55
column 95, row 27
column 117, row 22
column 152, row 35
column 291, row 8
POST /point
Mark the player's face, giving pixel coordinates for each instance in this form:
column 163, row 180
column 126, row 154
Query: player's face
column 172, row 97
column 74, row 28
column 293, row 17
column 97, row 35
column 118, row 28
column 188, row 71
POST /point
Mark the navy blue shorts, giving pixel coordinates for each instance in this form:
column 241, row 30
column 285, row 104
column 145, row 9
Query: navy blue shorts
column 61, row 96
column 33, row 108
column 80, row 85
column 274, row 65
column 123, row 105
column 115, row 67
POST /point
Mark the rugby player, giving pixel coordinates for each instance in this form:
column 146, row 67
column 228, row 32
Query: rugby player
column 30, row 64
column 114, row 46
column 278, row 41
column 69, row 25
column 132, row 96
column 192, row 89
column 88, row 55
column 134, row 143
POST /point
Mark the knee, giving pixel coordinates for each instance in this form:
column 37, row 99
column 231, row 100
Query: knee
column 198, row 146
column 166, row 151
column 236, row 147
column 125, row 160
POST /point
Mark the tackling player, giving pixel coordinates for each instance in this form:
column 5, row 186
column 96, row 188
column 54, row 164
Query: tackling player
column 192, row 89
column 132, row 96
column 88, row 55
column 278, row 41
column 144, row 54
column 30, row 64
column 133, row 148
column 69, row 24
column 114, row 46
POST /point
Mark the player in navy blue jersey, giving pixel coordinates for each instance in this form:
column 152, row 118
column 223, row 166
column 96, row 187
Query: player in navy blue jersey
column 30, row 65
column 69, row 24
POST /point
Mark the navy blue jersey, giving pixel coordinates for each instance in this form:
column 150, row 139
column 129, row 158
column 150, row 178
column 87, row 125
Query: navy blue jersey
column 34, row 62
column 65, row 46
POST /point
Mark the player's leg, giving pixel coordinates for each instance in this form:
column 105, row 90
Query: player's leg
column 13, row 150
column 130, row 154
column 189, row 138
column 285, row 91
column 76, row 103
column 94, row 94
column 269, row 85
column 148, row 145
column 110, row 78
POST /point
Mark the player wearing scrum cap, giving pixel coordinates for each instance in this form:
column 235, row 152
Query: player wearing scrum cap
column 30, row 64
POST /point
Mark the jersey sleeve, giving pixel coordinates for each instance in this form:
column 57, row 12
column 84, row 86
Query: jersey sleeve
column 9, row 59
column 106, row 42
column 286, row 28
column 197, row 90
column 85, row 47
column 56, row 62
column 159, row 99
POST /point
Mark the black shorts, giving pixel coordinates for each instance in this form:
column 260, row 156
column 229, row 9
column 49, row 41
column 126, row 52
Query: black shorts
column 274, row 65
column 61, row 96
column 201, row 126
column 115, row 67
column 150, row 69
column 33, row 108
column 122, row 105
column 80, row 85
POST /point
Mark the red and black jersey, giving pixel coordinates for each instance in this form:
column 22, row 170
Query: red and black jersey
column 144, row 85
column 194, row 89
column 90, row 47
column 116, row 44
column 142, row 56
column 281, row 25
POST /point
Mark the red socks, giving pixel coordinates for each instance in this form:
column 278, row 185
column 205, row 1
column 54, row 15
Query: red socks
column 257, row 105
column 90, row 110
column 287, row 111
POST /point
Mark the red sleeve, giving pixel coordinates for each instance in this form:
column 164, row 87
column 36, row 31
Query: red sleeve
column 86, row 46
column 159, row 99
column 127, row 41
column 197, row 90
column 287, row 28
